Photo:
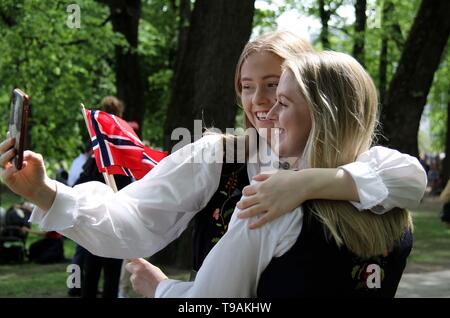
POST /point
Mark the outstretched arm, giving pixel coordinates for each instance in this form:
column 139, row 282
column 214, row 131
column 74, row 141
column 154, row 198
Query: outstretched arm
column 277, row 194
column 137, row 221
column 379, row 180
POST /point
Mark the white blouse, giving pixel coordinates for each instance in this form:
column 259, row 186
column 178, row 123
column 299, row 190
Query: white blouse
column 145, row 216
column 233, row 267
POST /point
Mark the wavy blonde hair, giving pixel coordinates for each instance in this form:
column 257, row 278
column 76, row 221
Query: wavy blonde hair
column 344, row 107
column 283, row 44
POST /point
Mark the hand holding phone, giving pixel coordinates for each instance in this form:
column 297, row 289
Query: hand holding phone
column 18, row 122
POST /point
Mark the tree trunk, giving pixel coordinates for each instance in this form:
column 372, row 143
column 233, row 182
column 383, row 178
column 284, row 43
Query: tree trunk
column 446, row 163
column 324, row 18
column 125, row 15
column 183, row 29
column 360, row 30
column 203, row 81
column 411, row 83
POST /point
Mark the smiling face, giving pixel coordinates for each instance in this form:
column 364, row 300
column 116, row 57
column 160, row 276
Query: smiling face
column 291, row 116
column 260, row 74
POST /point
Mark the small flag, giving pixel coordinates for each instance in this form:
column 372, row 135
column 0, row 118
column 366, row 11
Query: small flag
column 117, row 148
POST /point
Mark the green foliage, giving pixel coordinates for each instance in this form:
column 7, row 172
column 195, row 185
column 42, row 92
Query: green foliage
column 58, row 66
column 158, row 41
column 7, row 198
column 439, row 100
column 160, row 84
column 396, row 26
column 264, row 18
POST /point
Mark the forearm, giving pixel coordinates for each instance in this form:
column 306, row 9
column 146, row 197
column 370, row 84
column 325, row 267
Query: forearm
column 328, row 184
column 44, row 196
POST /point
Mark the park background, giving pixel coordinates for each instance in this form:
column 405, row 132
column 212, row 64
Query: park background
column 173, row 61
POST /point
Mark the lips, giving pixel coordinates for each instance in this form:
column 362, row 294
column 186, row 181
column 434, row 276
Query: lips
column 261, row 115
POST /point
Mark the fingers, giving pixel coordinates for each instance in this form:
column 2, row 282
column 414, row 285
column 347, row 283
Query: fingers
column 5, row 145
column 247, row 202
column 251, row 212
column 130, row 267
column 261, row 177
column 32, row 156
column 249, row 190
column 6, row 157
column 135, row 265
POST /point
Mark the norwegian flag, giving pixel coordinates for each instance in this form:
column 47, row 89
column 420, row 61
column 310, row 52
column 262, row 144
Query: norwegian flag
column 117, row 148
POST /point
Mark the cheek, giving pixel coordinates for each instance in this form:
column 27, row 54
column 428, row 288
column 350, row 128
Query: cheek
column 246, row 101
column 284, row 118
column 272, row 96
column 304, row 126
column 307, row 120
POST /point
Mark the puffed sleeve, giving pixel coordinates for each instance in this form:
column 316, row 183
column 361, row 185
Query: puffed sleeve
column 386, row 178
column 143, row 217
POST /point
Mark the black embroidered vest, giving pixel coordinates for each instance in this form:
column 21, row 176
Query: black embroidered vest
column 211, row 223
column 317, row 267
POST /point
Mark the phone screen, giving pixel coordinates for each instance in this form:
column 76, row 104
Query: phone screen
column 17, row 124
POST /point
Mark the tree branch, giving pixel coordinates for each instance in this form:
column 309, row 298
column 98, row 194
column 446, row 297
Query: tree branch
column 106, row 21
column 75, row 42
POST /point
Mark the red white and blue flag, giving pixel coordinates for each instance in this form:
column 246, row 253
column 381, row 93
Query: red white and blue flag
column 117, row 148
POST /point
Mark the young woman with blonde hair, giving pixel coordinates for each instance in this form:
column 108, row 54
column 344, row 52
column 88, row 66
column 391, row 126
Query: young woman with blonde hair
column 325, row 116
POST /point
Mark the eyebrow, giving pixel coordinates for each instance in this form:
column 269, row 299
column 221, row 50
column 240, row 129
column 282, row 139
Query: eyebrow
column 264, row 77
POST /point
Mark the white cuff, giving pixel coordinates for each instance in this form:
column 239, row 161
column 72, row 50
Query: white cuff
column 61, row 215
column 163, row 286
column 371, row 189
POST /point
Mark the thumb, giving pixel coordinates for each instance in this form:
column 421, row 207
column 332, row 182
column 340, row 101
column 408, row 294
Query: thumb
column 131, row 260
column 32, row 157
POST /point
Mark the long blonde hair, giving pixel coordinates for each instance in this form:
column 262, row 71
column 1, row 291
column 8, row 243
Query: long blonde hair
column 283, row 44
column 343, row 105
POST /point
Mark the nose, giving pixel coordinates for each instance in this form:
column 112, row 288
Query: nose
column 260, row 97
column 273, row 112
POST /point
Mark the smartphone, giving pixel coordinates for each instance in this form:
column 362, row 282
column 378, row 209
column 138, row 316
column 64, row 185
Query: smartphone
column 18, row 122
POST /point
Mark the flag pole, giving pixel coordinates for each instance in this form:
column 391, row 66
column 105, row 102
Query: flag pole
column 109, row 179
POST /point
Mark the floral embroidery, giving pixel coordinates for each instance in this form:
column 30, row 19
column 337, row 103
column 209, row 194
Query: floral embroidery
column 231, row 183
column 216, row 214
column 222, row 215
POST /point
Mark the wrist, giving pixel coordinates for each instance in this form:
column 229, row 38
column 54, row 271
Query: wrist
column 44, row 196
column 306, row 179
column 319, row 182
column 329, row 184
column 154, row 293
